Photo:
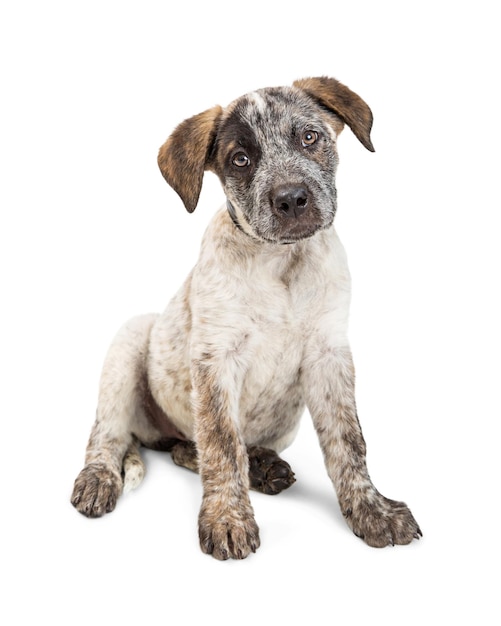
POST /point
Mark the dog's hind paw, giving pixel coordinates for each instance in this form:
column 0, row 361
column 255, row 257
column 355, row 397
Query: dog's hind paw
column 269, row 473
column 96, row 490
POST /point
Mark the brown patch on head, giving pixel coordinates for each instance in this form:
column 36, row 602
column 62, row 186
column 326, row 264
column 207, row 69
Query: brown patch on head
column 336, row 97
column 183, row 157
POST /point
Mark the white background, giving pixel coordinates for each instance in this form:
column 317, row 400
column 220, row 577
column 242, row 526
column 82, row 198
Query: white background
column 91, row 235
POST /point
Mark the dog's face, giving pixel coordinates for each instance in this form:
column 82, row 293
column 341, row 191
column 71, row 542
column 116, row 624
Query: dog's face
column 274, row 151
column 275, row 155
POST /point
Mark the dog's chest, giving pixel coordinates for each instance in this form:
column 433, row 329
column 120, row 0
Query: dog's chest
column 271, row 398
column 276, row 300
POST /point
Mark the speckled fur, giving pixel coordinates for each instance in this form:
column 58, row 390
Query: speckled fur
column 257, row 332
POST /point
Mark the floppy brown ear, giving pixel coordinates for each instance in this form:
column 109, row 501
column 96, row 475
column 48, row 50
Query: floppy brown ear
column 183, row 157
column 336, row 97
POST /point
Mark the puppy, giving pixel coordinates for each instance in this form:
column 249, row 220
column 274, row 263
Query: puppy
column 257, row 333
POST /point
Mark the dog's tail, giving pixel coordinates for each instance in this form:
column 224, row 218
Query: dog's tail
column 133, row 468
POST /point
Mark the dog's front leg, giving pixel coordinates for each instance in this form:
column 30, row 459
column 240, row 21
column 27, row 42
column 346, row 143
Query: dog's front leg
column 329, row 385
column 226, row 523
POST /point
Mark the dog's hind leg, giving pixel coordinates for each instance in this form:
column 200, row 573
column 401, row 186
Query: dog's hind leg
column 268, row 473
column 112, row 449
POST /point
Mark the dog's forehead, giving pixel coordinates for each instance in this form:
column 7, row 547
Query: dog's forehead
column 271, row 107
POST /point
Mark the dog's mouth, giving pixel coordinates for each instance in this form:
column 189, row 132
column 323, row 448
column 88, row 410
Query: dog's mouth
column 298, row 232
column 288, row 233
column 287, row 229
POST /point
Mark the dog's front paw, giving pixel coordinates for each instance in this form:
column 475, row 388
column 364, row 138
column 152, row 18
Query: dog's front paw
column 96, row 490
column 228, row 533
column 381, row 522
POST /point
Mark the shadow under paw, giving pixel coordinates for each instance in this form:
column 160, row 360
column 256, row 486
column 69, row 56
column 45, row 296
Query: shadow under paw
column 268, row 473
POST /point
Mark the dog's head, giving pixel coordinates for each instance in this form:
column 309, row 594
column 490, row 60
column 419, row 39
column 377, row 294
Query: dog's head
column 274, row 151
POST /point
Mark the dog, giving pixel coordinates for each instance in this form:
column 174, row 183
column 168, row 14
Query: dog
column 257, row 333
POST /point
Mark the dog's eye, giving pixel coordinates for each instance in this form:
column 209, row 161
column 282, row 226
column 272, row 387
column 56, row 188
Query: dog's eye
column 241, row 159
column 309, row 138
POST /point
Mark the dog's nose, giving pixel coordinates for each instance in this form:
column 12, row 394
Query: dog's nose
column 290, row 200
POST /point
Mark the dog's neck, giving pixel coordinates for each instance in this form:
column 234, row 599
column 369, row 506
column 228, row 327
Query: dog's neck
column 233, row 215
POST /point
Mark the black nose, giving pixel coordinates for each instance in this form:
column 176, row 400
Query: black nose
column 290, row 200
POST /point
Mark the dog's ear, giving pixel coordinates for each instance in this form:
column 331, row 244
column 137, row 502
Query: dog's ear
column 183, row 157
column 336, row 97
